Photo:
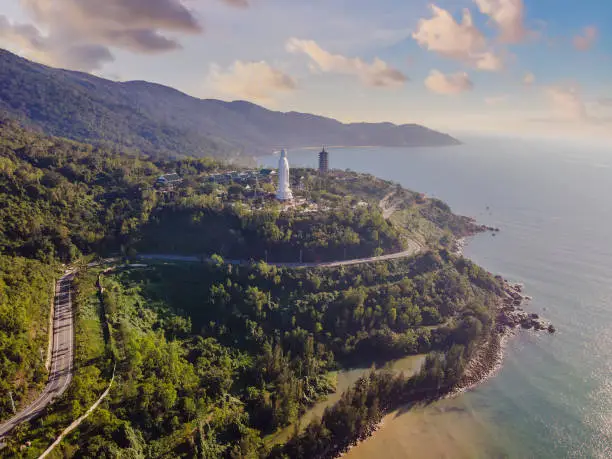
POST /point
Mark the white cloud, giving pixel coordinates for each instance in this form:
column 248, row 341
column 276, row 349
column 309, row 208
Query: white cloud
column 507, row 15
column 454, row 83
column 585, row 41
column 496, row 100
column 529, row 79
column 570, row 113
column 566, row 103
column 442, row 34
column 256, row 81
column 489, row 61
column 571, row 116
column 376, row 74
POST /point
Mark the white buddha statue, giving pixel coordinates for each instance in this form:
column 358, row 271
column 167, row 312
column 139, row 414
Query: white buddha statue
column 283, row 192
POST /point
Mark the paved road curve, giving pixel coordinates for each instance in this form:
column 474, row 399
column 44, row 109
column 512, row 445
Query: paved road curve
column 61, row 358
column 413, row 248
column 387, row 207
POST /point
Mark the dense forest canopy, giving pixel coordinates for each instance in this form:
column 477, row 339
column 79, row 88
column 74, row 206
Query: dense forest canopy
column 60, row 199
column 26, row 292
column 212, row 358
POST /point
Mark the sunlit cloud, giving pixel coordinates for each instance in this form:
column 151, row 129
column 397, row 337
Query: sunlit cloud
column 28, row 40
column 375, row 74
column 81, row 34
column 255, row 81
column 454, row 83
column 566, row 103
column 445, row 36
column 586, row 39
column 570, row 115
column 529, row 79
column 507, row 15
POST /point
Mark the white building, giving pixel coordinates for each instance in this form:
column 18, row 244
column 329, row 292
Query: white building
column 283, row 192
column 169, row 179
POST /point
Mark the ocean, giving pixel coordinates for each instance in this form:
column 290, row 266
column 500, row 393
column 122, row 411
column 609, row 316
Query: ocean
column 552, row 201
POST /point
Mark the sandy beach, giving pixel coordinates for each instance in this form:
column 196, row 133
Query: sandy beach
column 487, row 360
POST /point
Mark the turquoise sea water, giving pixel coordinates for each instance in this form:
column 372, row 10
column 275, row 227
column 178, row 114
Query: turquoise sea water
column 553, row 203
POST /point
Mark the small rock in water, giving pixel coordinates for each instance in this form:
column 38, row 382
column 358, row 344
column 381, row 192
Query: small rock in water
column 551, row 328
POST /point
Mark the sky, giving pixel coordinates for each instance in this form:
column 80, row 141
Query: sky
column 526, row 67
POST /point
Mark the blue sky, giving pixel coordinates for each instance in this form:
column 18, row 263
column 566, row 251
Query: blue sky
column 517, row 66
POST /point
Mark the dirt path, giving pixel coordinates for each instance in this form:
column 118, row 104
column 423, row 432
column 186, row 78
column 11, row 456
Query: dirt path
column 387, row 205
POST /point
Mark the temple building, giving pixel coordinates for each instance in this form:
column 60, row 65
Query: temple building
column 323, row 162
column 283, row 192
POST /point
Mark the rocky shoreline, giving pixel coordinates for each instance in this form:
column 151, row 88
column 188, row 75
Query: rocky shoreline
column 510, row 316
column 461, row 241
column 488, row 358
column 459, row 246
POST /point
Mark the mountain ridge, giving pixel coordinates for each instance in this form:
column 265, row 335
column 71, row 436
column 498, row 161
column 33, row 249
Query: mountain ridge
column 164, row 121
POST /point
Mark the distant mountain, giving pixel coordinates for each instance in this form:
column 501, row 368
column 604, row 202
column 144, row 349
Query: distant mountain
column 160, row 120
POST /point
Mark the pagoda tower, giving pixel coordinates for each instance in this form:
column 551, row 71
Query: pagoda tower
column 323, row 161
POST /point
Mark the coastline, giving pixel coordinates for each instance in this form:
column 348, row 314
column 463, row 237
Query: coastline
column 314, row 147
column 459, row 245
column 488, row 358
column 486, row 362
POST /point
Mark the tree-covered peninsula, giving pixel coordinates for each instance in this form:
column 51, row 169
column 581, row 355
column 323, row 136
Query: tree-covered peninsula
column 211, row 358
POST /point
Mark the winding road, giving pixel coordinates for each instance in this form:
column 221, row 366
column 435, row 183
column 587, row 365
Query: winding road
column 387, row 206
column 61, row 358
column 413, row 248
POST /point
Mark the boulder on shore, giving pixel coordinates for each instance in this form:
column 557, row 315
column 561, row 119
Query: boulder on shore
column 511, row 315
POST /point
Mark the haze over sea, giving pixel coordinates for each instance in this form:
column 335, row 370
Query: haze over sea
column 552, row 201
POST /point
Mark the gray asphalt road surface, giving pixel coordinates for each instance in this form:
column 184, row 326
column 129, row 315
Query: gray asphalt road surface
column 61, row 359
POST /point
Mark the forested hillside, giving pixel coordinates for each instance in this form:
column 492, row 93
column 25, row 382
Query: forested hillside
column 159, row 120
column 60, row 199
column 211, row 358
column 26, row 292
